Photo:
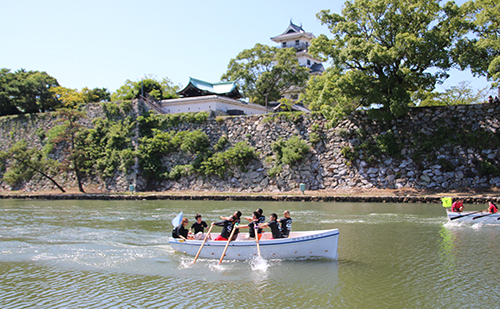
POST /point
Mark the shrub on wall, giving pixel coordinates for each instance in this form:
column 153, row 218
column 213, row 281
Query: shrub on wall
column 238, row 156
column 288, row 152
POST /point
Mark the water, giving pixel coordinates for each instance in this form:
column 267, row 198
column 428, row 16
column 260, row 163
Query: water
column 115, row 254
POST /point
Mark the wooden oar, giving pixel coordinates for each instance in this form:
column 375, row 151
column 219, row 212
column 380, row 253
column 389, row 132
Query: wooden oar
column 257, row 240
column 475, row 212
column 227, row 244
column 488, row 214
column 203, row 243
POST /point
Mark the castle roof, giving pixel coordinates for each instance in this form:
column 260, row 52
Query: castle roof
column 197, row 87
column 293, row 31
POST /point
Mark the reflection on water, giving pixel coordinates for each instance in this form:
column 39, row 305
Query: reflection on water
column 115, row 254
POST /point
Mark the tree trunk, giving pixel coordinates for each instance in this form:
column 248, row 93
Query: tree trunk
column 42, row 173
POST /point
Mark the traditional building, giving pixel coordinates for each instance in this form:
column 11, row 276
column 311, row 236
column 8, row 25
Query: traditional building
column 296, row 37
column 220, row 97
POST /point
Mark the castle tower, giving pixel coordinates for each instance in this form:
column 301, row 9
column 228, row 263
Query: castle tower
column 296, row 37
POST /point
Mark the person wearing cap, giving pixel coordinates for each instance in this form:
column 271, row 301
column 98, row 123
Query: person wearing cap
column 286, row 224
column 492, row 209
column 273, row 225
column 198, row 228
column 458, row 206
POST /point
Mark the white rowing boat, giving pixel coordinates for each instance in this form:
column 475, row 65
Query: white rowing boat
column 474, row 217
column 322, row 244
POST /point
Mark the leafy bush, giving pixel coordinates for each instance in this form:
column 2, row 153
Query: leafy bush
column 221, row 143
column 179, row 171
column 150, row 120
column 388, row 144
column 275, row 170
column 293, row 117
column 151, row 152
column 314, row 138
column 294, row 150
column 191, row 141
column 111, row 109
column 288, row 152
column 487, row 168
column 349, row 154
column 240, row 156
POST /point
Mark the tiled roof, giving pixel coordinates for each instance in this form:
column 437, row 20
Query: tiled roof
column 197, row 87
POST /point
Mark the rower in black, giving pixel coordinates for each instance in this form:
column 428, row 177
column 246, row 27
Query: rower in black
column 235, row 219
column 286, row 224
column 253, row 225
column 274, row 226
column 261, row 219
column 227, row 227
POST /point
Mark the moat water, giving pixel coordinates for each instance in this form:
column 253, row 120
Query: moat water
column 115, row 254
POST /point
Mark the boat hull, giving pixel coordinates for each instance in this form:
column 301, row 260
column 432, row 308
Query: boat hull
column 473, row 217
column 313, row 244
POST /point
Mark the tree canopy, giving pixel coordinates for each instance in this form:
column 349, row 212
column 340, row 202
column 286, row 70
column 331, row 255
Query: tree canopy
column 150, row 86
column 461, row 94
column 480, row 50
column 26, row 92
column 265, row 70
column 382, row 51
column 72, row 97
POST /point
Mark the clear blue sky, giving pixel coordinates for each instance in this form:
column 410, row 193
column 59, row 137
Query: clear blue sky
column 102, row 43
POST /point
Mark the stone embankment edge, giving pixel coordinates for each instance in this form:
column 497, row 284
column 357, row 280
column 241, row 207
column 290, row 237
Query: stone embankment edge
column 271, row 198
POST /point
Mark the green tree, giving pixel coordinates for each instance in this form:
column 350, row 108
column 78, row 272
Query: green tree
column 70, row 98
column 384, row 50
column 480, row 50
column 26, row 92
column 265, row 70
column 7, row 89
column 25, row 162
column 462, row 94
column 66, row 138
column 150, row 86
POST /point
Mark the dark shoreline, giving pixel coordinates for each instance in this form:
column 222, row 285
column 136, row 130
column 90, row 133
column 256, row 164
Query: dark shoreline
column 277, row 198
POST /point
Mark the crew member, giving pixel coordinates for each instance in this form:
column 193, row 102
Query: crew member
column 273, row 225
column 227, row 227
column 198, row 228
column 253, row 226
column 286, row 224
column 458, row 206
column 492, row 208
column 181, row 231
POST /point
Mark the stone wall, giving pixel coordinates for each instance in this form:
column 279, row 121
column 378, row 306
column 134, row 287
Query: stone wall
column 324, row 167
column 33, row 128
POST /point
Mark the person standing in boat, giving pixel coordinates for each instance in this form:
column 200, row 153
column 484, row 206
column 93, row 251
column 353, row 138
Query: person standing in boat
column 273, row 225
column 227, row 227
column 492, row 209
column 198, row 228
column 181, row 231
column 458, row 206
column 286, row 224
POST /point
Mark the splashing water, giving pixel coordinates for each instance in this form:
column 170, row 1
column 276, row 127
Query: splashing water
column 259, row 264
